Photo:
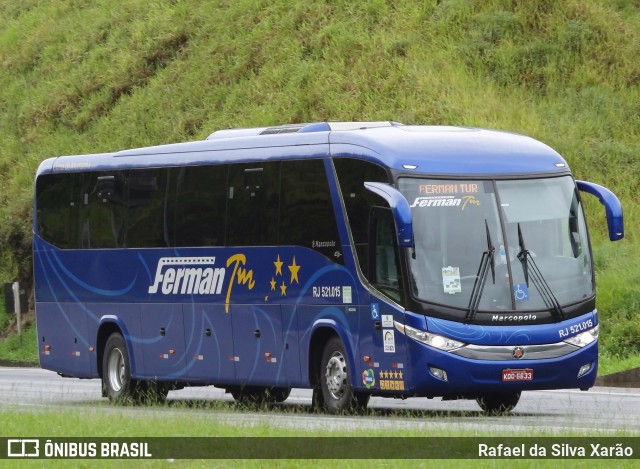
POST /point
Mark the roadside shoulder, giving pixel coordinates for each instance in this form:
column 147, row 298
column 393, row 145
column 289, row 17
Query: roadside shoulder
column 622, row 379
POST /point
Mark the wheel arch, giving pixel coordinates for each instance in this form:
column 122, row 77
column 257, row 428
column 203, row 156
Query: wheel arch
column 322, row 332
column 107, row 326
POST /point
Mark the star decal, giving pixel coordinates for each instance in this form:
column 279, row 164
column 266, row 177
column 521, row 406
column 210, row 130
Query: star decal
column 294, row 271
column 278, row 265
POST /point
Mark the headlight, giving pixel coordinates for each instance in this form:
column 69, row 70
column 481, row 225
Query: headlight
column 434, row 340
column 584, row 338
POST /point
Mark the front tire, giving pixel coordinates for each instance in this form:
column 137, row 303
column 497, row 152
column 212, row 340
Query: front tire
column 337, row 394
column 499, row 403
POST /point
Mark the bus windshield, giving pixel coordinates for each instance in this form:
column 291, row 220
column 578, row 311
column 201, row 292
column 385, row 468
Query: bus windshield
column 506, row 245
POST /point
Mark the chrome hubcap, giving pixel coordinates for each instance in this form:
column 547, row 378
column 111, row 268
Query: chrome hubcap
column 336, row 375
column 116, row 372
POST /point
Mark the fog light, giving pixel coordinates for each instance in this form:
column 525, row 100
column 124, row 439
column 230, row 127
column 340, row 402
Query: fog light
column 438, row 373
column 584, row 369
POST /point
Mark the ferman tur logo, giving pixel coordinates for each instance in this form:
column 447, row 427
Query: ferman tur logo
column 446, row 201
column 200, row 276
column 179, row 275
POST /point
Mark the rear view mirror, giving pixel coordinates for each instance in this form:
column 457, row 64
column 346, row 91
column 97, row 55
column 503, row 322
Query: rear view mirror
column 612, row 207
column 400, row 209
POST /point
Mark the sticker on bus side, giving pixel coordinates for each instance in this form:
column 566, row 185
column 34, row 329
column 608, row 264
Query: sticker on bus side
column 368, row 378
column 389, row 341
column 387, row 320
column 346, row 295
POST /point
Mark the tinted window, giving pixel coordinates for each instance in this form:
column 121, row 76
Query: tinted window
column 103, row 222
column 385, row 273
column 352, row 174
column 271, row 203
column 58, row 204
column 147, row 208
column 253, row 198
column 200, row 205
column 306, row 209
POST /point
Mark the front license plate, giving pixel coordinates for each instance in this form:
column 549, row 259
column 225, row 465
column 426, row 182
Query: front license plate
column 525, row 374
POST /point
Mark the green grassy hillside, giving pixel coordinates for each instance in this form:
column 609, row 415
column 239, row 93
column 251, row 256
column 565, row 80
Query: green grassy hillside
column 87, row 76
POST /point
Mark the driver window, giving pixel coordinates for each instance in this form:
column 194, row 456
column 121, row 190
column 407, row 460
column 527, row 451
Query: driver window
column 385, row 273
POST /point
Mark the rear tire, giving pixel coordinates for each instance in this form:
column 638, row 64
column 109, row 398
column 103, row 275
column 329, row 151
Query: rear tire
column 498, row 403
column 117, row 383
column 336, row 392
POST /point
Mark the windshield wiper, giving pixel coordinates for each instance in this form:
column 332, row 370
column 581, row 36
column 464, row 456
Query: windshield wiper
column 526, row 259
column 486, row 261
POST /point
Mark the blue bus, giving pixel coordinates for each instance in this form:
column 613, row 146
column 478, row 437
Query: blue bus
column 355, row 259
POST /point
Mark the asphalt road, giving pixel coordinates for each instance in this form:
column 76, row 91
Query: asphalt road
column 601, row 410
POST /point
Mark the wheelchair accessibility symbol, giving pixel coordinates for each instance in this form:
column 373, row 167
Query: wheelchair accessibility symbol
column 375, row 311
column 521, row 292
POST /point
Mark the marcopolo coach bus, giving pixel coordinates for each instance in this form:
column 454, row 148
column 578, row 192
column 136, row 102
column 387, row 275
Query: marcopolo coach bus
column 356, row 259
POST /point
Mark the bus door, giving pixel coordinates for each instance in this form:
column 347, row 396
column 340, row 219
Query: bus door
column 258, row 349
column 209, row 343
column 380, row 341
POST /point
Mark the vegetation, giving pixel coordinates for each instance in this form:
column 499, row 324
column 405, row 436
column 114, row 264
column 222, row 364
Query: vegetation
column 22, row 351
column 180, row 423
column 81, row 76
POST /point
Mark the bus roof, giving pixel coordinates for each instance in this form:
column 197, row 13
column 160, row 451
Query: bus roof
column 437, row 150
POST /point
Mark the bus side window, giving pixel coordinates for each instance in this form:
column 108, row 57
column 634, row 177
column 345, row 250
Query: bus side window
column 358, row 201
column 253, row 204
column 58, row 203
column 307, row 217
column 385, row 271
column 197, row 214
column 146, row 220
column 104, row 216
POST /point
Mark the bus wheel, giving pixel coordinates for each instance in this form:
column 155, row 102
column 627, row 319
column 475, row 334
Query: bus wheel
column 116, row 371
column 338, row 395
column 498, row 403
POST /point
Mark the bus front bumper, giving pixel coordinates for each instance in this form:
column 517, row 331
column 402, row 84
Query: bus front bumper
column 439, row 373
